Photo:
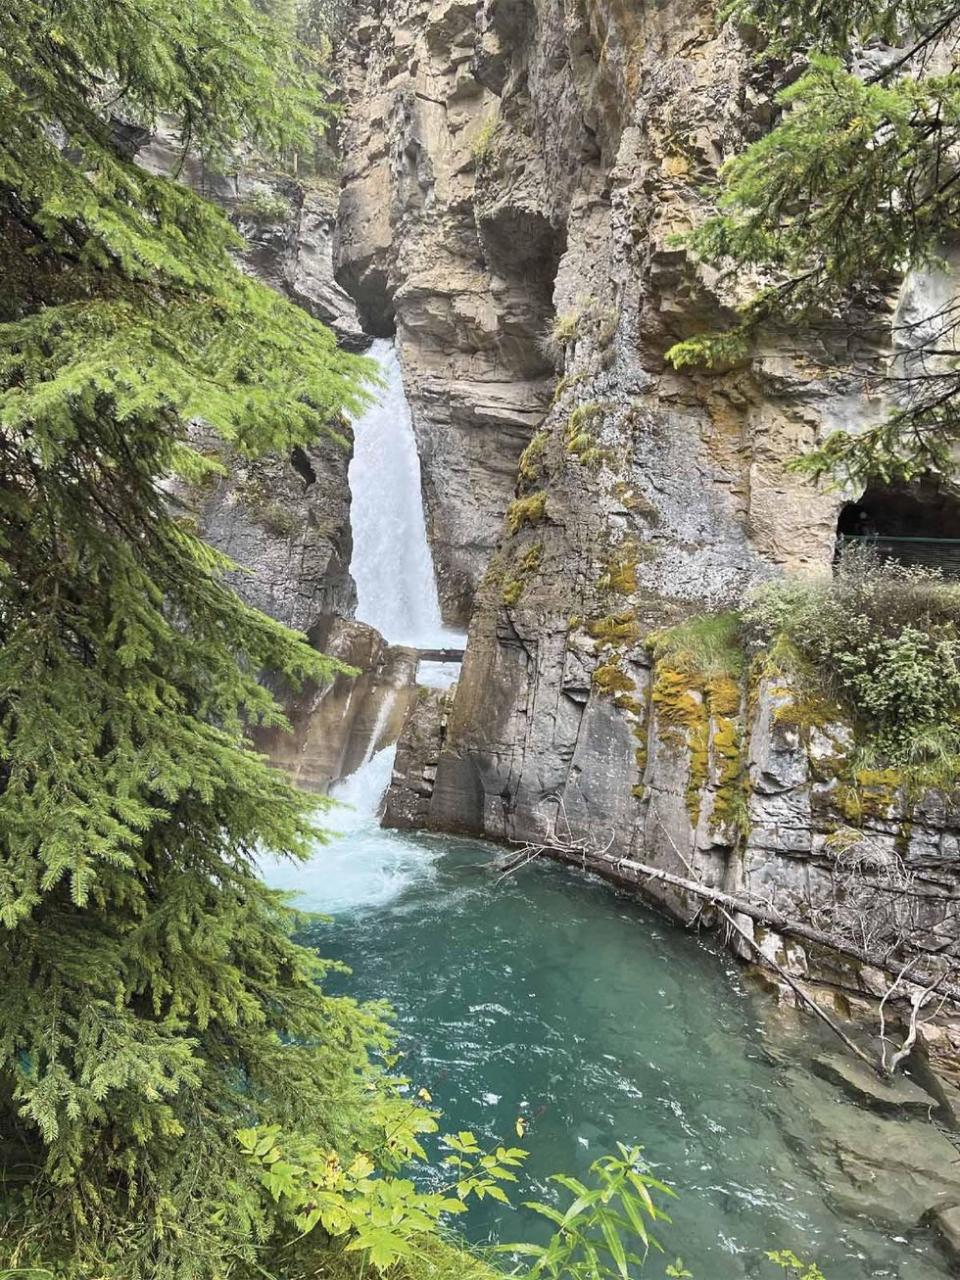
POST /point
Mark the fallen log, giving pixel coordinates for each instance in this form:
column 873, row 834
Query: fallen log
column 764, row 915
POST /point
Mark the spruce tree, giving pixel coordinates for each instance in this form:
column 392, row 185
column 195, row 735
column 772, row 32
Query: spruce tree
column 152, row 999
column 857, row 184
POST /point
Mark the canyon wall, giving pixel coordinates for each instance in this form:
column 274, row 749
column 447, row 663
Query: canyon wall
column 517, row 173
column 285, row 520
column 514, row 176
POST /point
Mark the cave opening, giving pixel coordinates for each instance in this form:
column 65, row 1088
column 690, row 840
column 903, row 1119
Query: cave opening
column 909, row 524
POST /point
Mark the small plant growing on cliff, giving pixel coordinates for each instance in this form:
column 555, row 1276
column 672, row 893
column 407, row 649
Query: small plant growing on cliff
column 483, row 143
column 561, row 333
column 526, row 511
column 514, row 582
column 531, row 460
column 710, row 646
column 277, row 519
column 263, row 205
column 884, row 641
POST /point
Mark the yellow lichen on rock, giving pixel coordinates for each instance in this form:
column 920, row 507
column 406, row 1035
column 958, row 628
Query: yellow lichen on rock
column 615, row 630
column 610, row 677
column 620, row 573
column 701, row 715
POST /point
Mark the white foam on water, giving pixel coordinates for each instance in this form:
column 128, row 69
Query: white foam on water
column 363, row 866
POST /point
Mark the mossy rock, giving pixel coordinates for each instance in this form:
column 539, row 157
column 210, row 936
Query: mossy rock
column 610, row 678
column 531, row 460
column 515, row 581
column 526, row 511
column 615, row 630
column 701, row 716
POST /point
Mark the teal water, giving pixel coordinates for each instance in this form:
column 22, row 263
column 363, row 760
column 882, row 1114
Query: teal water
column 550, row 996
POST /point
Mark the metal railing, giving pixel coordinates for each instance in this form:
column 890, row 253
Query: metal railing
column 931, row 553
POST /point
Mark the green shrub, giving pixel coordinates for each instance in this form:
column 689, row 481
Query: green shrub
column 262, row 205
column 884, row 641
column 523, row 511
column 276, row 519
column 483, row 143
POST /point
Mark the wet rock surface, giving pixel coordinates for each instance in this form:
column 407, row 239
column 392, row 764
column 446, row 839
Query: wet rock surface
column 415, row 768
column 894, row 1095
column 339, row 726
column 897, row 1171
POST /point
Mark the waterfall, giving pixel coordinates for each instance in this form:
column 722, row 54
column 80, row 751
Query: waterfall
column 362, row 792
column 392, row 565
column 362, row 867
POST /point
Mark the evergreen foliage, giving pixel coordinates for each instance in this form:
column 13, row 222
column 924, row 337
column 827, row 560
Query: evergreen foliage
column 856, row 184
column 153, row 1001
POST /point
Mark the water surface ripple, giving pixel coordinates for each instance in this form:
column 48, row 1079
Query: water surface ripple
column 550, row 996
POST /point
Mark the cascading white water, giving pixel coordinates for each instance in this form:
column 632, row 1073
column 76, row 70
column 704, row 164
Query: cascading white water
column 392, row 565
column 363, row 866
column 362, row 792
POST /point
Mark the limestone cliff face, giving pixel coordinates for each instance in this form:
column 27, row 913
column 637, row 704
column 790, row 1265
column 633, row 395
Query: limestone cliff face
column 285, row 521
column 518, row 167
column 469, row 296
column 516, row 173
column 337, row 727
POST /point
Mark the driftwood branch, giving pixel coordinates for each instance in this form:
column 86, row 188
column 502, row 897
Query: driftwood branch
column 795, row 986
column 560, row 843
column 768, row 960
column 772, row 918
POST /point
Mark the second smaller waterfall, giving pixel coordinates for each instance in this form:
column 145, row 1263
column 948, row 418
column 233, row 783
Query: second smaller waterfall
column 362, row 867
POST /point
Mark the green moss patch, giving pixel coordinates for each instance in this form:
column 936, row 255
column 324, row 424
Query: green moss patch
column 514, row 582
column 526, row 511
column 531, row 460
column 615, row 630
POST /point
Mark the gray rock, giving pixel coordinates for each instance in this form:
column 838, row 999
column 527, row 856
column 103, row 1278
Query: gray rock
column 887, row 1094
column 285, row 521
column 337, row 726
column 415, row 769
column 514, row 176
column 947, row 1222
column 890, row 1170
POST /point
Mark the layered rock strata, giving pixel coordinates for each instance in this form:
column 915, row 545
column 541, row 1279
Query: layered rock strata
column 529, row 165
column 285, row 521
column 338, row 726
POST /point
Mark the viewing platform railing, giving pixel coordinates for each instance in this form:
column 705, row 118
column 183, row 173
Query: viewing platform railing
column 931, row 553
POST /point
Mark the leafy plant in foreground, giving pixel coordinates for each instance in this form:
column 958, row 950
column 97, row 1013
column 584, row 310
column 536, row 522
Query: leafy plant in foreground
column 595, row 1231
column 384, row 1218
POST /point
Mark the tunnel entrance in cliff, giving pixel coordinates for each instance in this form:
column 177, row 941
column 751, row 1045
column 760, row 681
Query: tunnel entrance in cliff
column 914, row 524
